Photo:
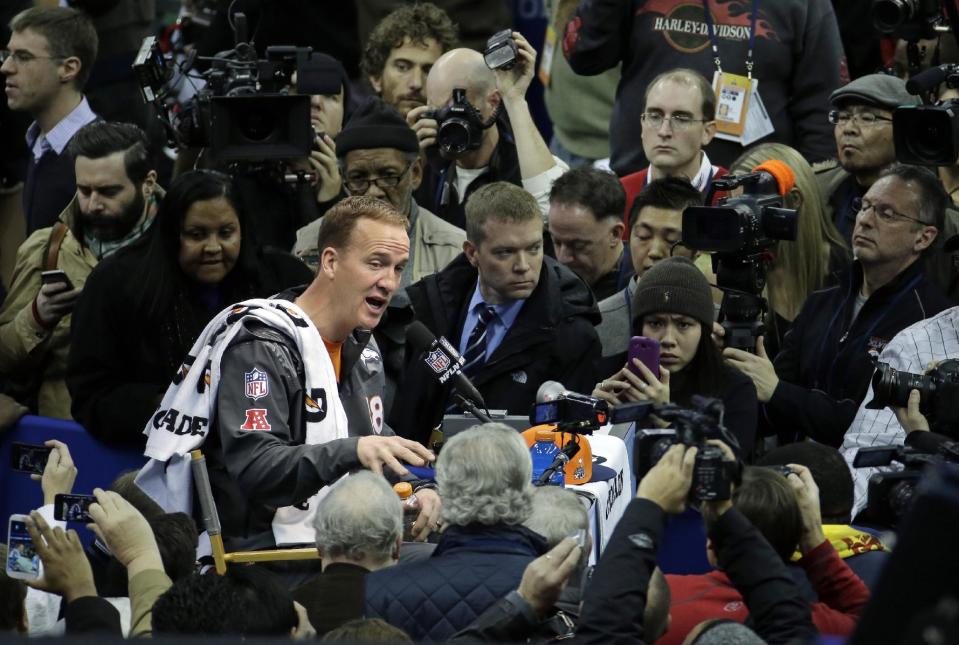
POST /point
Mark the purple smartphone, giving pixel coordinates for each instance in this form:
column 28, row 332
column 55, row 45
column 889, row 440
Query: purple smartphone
column 647, row 351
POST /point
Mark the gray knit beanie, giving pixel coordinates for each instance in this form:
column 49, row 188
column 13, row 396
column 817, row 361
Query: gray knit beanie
column 727, row 632
column 674, row 285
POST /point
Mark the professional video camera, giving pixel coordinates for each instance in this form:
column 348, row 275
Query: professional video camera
column 459, row 125
column 891, row 492
column 739, row 233
column 713, row 476
column 938, row 392
column 245, row 111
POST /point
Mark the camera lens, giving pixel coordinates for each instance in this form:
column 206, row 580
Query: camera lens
column 891, row 387
column 454, row 136
column 900, row 498
column 889, row 14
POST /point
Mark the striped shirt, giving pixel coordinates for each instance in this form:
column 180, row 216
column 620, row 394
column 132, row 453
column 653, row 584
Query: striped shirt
column 911, row 350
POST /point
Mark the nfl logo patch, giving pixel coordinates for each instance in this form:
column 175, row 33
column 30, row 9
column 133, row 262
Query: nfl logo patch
column 257, row 384
column 438, row 360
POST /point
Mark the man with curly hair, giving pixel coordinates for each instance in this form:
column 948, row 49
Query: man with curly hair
column 401, row 50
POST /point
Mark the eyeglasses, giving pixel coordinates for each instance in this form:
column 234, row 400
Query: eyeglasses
column 883, row 212
column 859, row 119
column 360, row 186
column 677, row 122
column 22, row 57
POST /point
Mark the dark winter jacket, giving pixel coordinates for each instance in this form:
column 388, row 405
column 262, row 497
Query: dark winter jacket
column 826, row 361
column 472, row 567
column 120, row 364
column 552, row 338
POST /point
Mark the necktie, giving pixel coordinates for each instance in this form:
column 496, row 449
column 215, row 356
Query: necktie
column 475, row 354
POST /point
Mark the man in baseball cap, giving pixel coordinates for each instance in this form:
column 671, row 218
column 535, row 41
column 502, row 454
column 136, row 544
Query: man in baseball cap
column 862, row 116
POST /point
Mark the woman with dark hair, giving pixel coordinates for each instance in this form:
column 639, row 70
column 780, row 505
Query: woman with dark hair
column 673, row 305
column 141, row 311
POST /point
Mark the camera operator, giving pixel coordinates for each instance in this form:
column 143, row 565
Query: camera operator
column 822, row 371
column 286, row 207
column 785, row 510
column 509, row 149
column 618, row 589
column 914, row 350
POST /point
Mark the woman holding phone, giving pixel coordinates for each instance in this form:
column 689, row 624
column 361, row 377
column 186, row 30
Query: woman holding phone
column 142, row 310
column 673, row 306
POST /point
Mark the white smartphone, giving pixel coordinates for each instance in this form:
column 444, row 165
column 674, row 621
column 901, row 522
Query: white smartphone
column 23, row 562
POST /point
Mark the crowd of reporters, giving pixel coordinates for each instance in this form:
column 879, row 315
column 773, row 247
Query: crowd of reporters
column 533, row 260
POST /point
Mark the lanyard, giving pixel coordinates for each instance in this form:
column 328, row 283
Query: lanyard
column 714, row 40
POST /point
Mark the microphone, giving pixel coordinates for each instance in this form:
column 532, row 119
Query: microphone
column 782, row 173
column 927, row 80
column 550, row 391
column 443, row 361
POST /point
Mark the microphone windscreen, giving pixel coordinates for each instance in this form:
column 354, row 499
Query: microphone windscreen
column 783, row 174
column 549, row 391
column 927, row 80
column 419, row 336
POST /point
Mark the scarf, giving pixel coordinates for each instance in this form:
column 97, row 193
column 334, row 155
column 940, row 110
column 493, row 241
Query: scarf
column 188, row 409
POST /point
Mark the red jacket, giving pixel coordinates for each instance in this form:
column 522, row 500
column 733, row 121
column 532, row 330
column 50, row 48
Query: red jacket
column 634, row 185
column 842, row 597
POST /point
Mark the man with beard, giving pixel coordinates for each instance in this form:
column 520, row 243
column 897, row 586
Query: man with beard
column 113, row 207
column 401, row 50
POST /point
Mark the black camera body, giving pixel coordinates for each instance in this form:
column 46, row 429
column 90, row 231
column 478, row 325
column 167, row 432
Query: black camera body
column 713, row 476
column 459, row 125
column 500, row 52
column 571, row 409
column 938, row 390
column 245, row 112
column 890, row 493
column 740, row 226
column 739, row 231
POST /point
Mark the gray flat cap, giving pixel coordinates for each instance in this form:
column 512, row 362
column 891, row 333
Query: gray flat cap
column 881, row 90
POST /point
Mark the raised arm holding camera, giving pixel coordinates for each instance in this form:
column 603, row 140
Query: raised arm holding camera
column 468, row 140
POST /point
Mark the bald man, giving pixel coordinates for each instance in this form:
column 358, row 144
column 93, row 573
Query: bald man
column 504, row 150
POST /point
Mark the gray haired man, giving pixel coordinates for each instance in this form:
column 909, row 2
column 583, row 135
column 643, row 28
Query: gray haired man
column 484, row 476
column 359, row 527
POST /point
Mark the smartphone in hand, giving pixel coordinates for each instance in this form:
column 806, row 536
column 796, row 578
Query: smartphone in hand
column 23, row 561
column 647, row 351
column 72, row 508
column 28, row 458
column 57, row 276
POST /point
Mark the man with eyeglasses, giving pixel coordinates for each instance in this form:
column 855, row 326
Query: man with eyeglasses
column 677, row 123
column 46, row 63
column 378, row 156
column 862, row 118
column 822, row 372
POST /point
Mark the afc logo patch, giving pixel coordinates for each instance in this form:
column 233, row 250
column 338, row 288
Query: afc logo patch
column 438, row 360
column 256, row 384
column 256, row 420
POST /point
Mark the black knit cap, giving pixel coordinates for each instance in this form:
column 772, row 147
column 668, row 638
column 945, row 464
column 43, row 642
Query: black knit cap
column 676, row 286
column 375, row 124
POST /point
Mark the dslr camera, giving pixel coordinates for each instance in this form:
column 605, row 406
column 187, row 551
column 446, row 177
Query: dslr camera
column 459, row 125
column 713, row 475
column 738, row 232
column 938, row 390
column 907, row 19
column 500, row 52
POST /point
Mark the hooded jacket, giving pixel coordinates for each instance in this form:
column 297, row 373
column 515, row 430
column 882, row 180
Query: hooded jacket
column 552, row 338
